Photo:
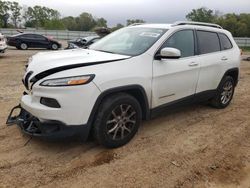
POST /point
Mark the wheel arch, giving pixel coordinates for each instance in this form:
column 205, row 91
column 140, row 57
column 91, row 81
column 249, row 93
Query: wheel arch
column 234, row 73
column 136, row 91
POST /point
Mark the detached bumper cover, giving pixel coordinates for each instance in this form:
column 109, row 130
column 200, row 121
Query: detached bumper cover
column 49, row 130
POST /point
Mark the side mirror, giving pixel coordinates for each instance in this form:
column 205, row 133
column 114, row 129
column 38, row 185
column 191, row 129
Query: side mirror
column 169, row 53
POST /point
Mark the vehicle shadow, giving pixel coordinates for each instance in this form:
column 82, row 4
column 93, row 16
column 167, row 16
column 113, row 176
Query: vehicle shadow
column 59, row 145
column 30, row 49
column 3, row 56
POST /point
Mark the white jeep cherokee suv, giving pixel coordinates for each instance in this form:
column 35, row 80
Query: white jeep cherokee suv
column 125, row 77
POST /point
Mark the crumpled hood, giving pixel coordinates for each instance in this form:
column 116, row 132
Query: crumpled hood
column 44, row 61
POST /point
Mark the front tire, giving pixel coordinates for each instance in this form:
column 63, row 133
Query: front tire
column 117, row 120
column 23, row 46
column 224, row 93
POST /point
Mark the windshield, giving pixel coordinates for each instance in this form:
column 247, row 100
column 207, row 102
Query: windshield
column 130, row 41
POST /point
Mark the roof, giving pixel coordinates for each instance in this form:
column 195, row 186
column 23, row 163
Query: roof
column 179, row 23
column 157, row 26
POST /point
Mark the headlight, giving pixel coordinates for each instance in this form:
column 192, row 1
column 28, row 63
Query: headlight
column 68, row 81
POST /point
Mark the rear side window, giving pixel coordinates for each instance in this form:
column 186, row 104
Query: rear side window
column 208, row 42
column 39, row 37
column 183, row 41
column 225, row 42
column 29, row 36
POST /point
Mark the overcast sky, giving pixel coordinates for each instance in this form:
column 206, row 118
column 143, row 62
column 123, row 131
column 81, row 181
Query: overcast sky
column 153, row 11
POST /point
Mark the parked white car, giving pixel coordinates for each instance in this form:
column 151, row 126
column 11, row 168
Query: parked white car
column 125, row 77
column 3, row 45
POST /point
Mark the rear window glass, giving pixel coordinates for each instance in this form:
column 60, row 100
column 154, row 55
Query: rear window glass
column 208, row 42
column 225, row 42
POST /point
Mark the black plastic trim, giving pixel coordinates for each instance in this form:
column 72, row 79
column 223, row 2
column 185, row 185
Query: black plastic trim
column 195, row 98
column 159, row 57
column 236, row 69
column 171, row 105
column 52, row 103
column 196, row 47
column 116, row 90
column 26, row 79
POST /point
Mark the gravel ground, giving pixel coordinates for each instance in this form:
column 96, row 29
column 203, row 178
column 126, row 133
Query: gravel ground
column 196, row 146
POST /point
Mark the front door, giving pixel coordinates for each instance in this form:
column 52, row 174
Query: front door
column 175, row 79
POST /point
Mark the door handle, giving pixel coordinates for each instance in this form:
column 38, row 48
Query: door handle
column 192, row 64
column 224, row 58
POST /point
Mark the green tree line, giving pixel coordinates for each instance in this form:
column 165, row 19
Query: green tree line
column 13, row 15
column 237, row 24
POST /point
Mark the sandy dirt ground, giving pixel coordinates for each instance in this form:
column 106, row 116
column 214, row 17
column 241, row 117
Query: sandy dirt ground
column 196, row 146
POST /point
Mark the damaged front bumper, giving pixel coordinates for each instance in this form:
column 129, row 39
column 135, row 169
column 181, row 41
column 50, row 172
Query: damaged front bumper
column 50, row 129
column 2, row 50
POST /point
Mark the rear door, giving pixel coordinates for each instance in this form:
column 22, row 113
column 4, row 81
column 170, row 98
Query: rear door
column 175, row 79
column 41, row 41
column 211, row 60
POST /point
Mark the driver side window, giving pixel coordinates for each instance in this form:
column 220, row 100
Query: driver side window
column 183, row 41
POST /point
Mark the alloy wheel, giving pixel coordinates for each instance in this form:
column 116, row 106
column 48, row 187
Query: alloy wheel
column 121, row 122
column 227, row 92
column 24, row 46
column 54, row 46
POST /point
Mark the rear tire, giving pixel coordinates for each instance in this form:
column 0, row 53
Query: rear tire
column 224, row 93
column 117, row 120
column 54, row 46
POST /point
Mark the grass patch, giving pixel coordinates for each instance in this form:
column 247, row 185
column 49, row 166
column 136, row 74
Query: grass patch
column 245, row 49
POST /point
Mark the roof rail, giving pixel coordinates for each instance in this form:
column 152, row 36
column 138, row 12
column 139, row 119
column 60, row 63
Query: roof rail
column 197, row 23
column 134, row 24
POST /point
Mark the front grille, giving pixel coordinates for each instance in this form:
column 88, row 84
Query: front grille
column 26, row 80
